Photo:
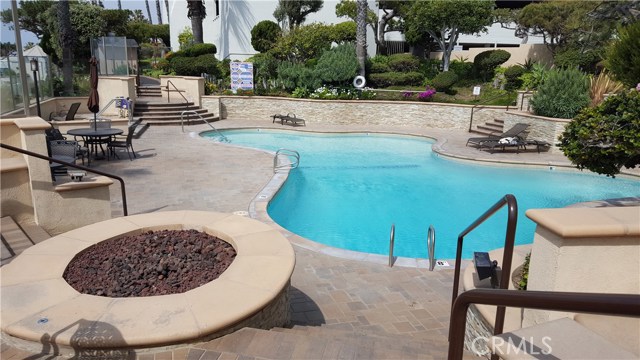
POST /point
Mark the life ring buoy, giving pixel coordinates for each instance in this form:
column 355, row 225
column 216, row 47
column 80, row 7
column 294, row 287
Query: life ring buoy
column 359, row 82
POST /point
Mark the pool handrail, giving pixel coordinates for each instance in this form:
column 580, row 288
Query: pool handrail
column 222, row 137
column 512, row 221
column 431, row 247
column 392, row 242
column 288, row 153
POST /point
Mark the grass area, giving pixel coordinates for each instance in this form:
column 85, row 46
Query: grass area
column 460, row 95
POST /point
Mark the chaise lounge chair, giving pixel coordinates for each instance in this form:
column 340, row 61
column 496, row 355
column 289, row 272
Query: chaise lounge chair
column 70, row 115
column 515, row 131
column 289, row 118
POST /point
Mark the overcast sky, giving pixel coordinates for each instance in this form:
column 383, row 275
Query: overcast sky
column 8, row 35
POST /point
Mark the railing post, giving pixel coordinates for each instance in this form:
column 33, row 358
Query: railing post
column 392, row 240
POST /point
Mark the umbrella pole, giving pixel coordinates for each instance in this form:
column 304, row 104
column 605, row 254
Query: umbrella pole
column 95, row 122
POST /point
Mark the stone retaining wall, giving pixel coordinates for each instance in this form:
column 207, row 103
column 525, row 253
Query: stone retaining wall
column 353, row 112
column 541, row 128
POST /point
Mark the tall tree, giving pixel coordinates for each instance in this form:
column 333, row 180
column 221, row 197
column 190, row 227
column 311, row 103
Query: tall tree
column 445, row 20
column 146, row 2
column 66, row 39
column 166, row 5
column 119, row 5
column 292, row 13
column 159, row 12
column 196, row 12
column 30, row 16
column 361, row 34
column 389, row 20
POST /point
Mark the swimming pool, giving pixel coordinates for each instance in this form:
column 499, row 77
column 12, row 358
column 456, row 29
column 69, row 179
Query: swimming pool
column 350, row 188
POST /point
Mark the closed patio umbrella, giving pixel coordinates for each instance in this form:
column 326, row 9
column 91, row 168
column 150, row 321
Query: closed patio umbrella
column 94, row 99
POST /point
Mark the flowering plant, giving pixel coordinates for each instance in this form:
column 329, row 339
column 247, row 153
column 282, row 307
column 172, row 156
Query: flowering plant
column 407, row 94
column 427, row 94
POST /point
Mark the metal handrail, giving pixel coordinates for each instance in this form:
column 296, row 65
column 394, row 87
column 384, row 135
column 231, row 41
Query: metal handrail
column 485, row 103
column 129, row 118
column 392, row 241
column 179, row 92
column 43, row 157
column 512, row 221
column 431, row 247
column 224, row 138
column 288, row 153
column 597, row 303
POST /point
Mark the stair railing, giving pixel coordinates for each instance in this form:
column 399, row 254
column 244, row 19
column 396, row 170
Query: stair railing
column 485, row 102
column 178, row 91
column 512, row 220
column 131, row 108
column 43, row 157
column 608, row 304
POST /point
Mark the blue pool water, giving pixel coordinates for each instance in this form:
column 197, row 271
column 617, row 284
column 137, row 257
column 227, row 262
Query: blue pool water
column 350, row 188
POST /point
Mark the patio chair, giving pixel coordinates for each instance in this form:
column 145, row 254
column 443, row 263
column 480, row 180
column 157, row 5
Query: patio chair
column 515, row 131
column 70, row 115
column 126, row 144
column 52, row 134
column 63, row 150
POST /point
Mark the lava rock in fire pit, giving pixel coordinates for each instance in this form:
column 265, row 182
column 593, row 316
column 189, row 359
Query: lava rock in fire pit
column 153, row 263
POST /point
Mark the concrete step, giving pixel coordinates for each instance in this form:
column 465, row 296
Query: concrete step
column 164, row 110
column 286, row 345
column 17, row 238
column 149, row 118
column 161, row 104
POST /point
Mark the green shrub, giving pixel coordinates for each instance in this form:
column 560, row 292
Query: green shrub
column 444, row 81
column 512, row 77
column 463, row 69
column 563, row 94
column 265, row 35
column 532, row 79
column 378, row 68
column 383, row 80
column 195, row 66
column 485, row 63
column 605, row 138
column 404, row 62
column 196, row 50
column 338, row 65
column 571, row 58
column 344, row 32
column 524, row 274
column 381, row 59
column 294, row 75
column 623, row 57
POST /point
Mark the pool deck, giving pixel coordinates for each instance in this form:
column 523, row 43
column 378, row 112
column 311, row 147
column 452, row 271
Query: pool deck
column 342, row 307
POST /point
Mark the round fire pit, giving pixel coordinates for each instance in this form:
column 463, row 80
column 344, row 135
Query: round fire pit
column 39, row 305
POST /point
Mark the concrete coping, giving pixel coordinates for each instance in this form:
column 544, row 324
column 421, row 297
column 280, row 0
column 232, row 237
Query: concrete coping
column 589, row 222
column 86, row 183
column 13, row 164
column 29, row 123
column 38, row 304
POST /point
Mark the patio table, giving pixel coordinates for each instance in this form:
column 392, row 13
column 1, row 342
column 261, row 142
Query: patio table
column 93, row 137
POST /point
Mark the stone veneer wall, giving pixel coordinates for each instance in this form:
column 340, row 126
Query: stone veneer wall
column 353, row 112
column 477, row 333
column 541, row 128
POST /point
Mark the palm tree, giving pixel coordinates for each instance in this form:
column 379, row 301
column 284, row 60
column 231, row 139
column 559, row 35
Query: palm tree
column 166, row 4
column 158, row 11
column 196, row 13
column 361, row 33
column 146, row 2
column 119, row 5
column 67, row 39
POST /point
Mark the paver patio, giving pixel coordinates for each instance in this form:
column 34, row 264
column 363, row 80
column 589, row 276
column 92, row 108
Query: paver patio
column 344, row 298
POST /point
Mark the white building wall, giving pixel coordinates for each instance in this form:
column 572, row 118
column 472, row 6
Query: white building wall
column 231, row 31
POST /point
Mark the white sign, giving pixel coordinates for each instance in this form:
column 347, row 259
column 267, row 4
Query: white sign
column 476, row 90
column 241, row 76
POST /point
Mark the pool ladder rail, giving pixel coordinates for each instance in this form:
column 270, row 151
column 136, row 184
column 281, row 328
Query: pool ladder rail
column 192, row 112
column 292, row 156
column 431, row 246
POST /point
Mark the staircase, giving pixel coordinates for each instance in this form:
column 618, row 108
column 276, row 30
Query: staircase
column 149, row 91
column 157, row 112
column 323, row 342
column 17, row 238
column 490, row 128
